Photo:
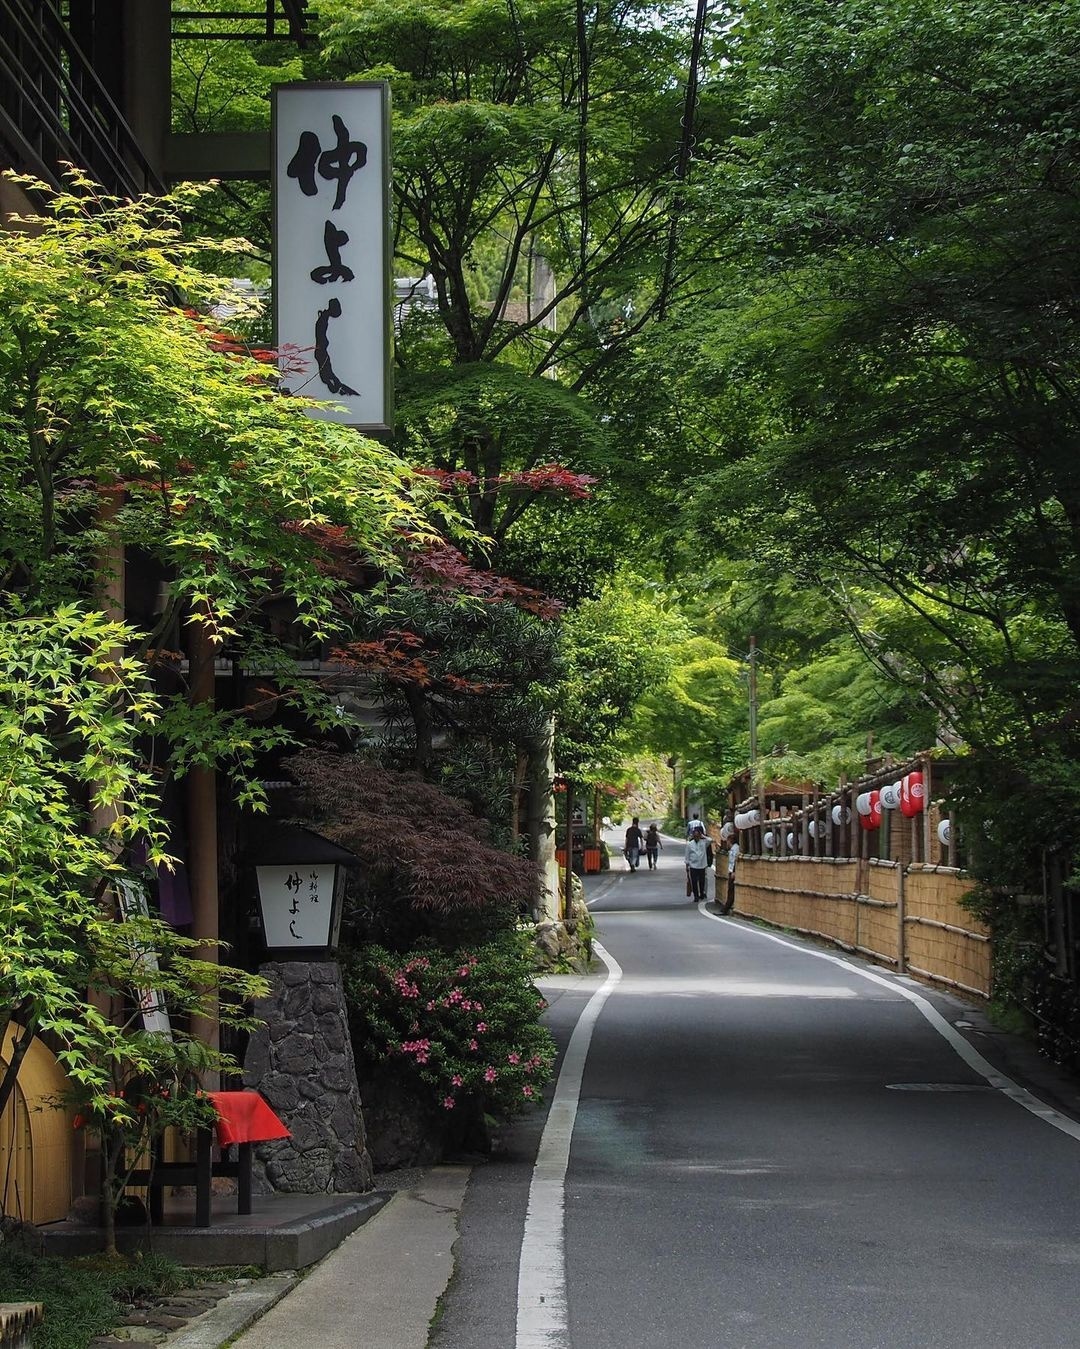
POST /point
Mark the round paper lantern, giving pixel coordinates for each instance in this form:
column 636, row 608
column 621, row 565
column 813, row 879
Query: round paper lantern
column 741, row 820
column 862, row 803
column 770, row 839
column 911, row 794
column 841, row 814
column 944, row 832
column 812, row 827
column 890, row 796
column 727, row 830
column 871, row 819
column 791, row 842
column 755, row 818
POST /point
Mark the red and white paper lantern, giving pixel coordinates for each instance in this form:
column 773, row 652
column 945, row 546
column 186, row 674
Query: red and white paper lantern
column 912, row 794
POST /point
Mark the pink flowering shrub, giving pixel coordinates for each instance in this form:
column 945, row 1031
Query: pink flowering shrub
column 461, row 1029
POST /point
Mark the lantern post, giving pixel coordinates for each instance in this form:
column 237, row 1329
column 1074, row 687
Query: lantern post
column 300, row 1058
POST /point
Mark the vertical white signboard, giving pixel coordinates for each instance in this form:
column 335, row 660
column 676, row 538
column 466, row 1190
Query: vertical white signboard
column 331, row 247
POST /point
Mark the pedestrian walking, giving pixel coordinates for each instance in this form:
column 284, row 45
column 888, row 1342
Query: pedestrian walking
column 732, row 861
column 653, row 845
column 692, row 823
column 632, row 844
column 698, row 861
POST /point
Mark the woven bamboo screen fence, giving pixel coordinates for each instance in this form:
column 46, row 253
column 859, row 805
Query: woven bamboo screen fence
column 907, row 916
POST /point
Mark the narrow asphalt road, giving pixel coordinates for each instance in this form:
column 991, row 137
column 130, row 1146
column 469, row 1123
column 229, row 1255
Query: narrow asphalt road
column 774, row 1147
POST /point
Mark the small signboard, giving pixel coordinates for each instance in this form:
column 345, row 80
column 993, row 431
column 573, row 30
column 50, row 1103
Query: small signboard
column 332, row 301
column 150, row 1001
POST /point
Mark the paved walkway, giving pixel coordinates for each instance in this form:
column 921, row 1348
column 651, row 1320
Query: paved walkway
column 382, row 1285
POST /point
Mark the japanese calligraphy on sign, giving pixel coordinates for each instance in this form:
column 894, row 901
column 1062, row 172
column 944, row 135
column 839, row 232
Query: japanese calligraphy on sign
column 331, row 271
column 296, row 904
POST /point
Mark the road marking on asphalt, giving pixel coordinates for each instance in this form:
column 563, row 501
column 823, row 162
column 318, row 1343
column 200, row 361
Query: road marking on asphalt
column 725, row 986
column 967, row 1052
column 542, row 1321
column 604, row 889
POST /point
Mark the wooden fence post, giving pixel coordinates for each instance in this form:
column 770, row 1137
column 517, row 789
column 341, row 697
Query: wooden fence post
column 901, row 943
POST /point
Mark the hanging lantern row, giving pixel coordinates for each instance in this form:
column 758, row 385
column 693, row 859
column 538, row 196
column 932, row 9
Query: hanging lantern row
column 908, row 795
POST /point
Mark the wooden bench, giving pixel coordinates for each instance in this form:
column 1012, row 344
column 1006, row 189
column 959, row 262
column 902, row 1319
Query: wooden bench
column 244, row 1119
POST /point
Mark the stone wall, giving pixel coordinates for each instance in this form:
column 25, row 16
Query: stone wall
column 301, row 1060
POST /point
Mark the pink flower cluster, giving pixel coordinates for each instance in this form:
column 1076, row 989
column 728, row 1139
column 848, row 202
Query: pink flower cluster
column 407, row 987
column 421, row 1049
column 455, row 998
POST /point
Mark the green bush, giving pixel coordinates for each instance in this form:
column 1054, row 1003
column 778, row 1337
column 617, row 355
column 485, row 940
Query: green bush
column 83, row 1298
column 462, row 1030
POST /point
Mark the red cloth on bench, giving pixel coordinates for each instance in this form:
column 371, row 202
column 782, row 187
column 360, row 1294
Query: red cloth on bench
column 244, row 1117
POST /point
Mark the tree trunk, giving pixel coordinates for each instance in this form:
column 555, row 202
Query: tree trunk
column 112, row 1149
column 423, row 728
column 540, row 822
column 11, row 1072
column 521, row 768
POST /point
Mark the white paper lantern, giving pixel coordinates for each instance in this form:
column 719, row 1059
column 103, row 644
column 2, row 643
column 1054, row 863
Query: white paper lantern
column 841, row 814
column 890, row 796
column 755, row 818
column 727, row 830
column 770, row 839
column 791, row 842
column 862, row 803
column 944, row 832
column 813, row 827
column 741, row 820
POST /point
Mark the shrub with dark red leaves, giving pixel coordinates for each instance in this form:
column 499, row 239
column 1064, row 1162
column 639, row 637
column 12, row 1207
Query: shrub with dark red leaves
column 426, row 868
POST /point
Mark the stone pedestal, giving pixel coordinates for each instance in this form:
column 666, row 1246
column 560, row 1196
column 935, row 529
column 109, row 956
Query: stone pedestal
column 301, row 1060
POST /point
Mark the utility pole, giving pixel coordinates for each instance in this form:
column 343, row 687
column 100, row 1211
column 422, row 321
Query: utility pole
column 753, row 703
column 568, row 874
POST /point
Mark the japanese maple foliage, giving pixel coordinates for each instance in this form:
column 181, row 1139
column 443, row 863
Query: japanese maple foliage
column 427, row 865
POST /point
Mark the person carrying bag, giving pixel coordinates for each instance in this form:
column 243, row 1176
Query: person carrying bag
column 698, row 858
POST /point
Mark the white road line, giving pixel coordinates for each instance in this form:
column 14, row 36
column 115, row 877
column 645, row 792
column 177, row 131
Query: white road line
column 542, row 1321
column 967, row 1052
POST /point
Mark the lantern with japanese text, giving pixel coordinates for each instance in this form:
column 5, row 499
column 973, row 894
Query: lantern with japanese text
column 841, row 814
column 890, row 796
column 301, row 884
column 871, row 818
column 944, row 832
